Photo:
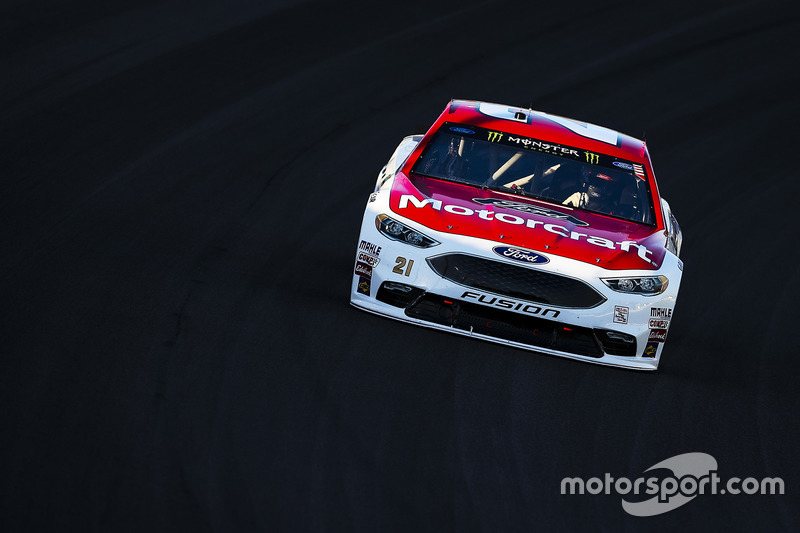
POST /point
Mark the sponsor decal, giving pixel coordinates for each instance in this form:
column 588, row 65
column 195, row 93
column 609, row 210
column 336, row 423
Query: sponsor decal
column 511, row 305
column 542, row 146
column 657, row 335
column 650, row 350
column 494, row 136
column 621, row 314
column 620, row 164
column 363, row 270
column 370, row 248
column 407, row 200
column 531, row 209
column 369, row 259
column 363, row 285
column 680, row 266
column 520, row 254
column 403, row 266
column 373, row 197
column 656, row 323
column 458, row 129
column 661, row 312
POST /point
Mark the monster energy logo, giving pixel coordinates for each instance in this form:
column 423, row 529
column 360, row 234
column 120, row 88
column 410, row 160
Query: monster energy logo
column 495, row 136
column 592, row 158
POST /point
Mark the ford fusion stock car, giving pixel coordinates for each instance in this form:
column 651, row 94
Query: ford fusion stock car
column 527, row 229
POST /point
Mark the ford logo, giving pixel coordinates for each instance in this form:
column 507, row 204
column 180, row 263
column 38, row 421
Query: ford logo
column 626, row 166
column 462, row 130
column 520, row 254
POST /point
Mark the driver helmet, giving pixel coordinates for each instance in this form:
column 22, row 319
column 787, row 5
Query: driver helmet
column 597, row 186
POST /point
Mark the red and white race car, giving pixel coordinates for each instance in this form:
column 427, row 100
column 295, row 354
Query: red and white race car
column 528, row 229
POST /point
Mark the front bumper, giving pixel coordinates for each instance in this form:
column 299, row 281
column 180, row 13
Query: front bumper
column 400, row 281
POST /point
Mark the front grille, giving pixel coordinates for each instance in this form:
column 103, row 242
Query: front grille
column 506, row 325
column 515, row 281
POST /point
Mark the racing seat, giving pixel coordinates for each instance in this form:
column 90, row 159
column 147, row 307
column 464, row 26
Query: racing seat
column 628, row 207
column 564, row 183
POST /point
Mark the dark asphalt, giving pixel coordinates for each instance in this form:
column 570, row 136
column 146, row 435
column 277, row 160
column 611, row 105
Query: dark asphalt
column 182, row 185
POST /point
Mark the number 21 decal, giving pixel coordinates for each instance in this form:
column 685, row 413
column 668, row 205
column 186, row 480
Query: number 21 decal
column 402, row 262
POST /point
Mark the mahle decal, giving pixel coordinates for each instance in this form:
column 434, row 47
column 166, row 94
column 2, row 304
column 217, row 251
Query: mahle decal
column 369, row 247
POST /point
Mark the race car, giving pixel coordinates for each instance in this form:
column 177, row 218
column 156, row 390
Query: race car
column 523, row 228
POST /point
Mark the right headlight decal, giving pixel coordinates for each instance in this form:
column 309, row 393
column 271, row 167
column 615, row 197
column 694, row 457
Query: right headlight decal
column 644, row 285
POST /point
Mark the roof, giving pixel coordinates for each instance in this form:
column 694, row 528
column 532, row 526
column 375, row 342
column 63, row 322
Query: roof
column 543, row 126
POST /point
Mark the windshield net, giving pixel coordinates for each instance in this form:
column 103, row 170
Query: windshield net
column 556, row 173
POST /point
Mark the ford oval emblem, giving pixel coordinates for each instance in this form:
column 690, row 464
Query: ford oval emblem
column 462, row 130
column 626, row 166
column 520, row 254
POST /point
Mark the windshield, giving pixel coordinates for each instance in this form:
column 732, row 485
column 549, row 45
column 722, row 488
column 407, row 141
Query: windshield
column 546, row 171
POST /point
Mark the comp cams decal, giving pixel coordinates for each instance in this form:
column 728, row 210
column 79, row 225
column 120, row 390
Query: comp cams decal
column 408, row 200
column 369, row 259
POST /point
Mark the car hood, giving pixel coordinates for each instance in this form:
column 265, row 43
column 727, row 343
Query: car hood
column 517, row 221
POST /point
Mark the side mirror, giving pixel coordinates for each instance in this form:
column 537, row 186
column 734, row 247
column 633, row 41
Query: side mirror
column 674, row 233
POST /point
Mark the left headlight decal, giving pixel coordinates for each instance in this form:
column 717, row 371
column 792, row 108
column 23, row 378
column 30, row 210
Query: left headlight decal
column 397, row 231
column 644, row 285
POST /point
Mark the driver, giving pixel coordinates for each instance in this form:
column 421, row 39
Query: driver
column 594, row 196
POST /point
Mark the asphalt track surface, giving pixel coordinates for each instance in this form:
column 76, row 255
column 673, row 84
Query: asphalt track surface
column 182, row 187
